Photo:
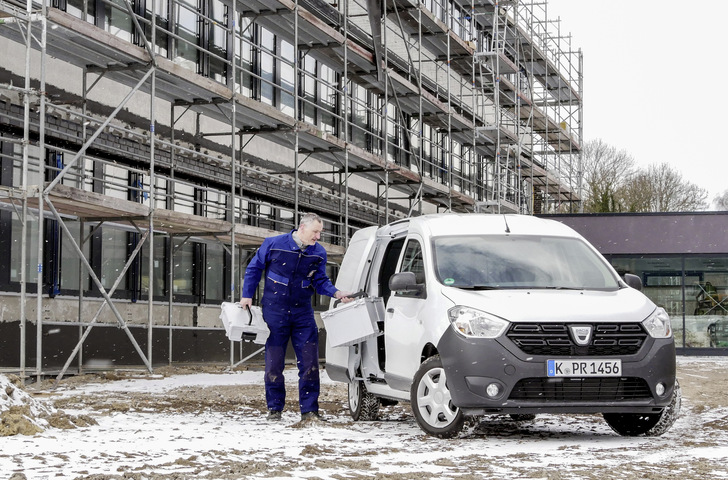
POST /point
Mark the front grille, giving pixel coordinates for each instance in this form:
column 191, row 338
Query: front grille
column 554, row 339
column 581, row 389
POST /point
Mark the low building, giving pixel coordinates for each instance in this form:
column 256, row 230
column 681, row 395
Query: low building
column 682, row 259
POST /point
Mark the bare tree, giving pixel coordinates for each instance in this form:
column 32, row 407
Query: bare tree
column 613, row 184
column 636, row 195
column 721, row 201
column 661, row 188
column 606, row 172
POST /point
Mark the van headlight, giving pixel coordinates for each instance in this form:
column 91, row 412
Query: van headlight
column 658, row 324
column 474, row 323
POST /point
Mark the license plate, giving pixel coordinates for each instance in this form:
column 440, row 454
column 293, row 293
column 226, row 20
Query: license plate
column 584, row 368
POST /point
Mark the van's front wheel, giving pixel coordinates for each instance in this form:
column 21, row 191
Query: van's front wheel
column 651, row 424
column 431, row 401
column 362, row 404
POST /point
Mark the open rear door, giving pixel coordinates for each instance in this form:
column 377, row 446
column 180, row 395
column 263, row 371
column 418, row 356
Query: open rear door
column 342, row 361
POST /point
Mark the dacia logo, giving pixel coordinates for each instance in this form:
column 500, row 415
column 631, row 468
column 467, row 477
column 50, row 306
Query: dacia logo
column 581, row 334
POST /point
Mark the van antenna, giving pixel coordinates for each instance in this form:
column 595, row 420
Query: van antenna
column 505, row 220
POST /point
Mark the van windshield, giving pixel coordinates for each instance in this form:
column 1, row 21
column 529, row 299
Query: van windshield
column 520, row 261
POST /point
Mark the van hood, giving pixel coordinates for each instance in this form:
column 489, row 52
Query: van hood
column 623, row 305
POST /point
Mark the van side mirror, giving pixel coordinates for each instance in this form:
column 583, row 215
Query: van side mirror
column 405, row 282
column 633, row 281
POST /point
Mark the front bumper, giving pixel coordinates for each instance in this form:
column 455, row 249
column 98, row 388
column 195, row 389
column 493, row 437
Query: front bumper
column 472, row 364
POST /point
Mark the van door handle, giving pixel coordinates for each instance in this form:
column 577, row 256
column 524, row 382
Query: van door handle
column 390, row 310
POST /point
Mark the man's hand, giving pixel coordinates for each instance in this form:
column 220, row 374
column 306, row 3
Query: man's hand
column 246, row 302
column 343, row 296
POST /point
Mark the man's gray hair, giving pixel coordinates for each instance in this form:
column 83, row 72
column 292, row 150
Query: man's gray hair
column 309, row 218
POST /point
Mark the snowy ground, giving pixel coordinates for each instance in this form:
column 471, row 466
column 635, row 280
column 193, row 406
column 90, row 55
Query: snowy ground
column 210, row 425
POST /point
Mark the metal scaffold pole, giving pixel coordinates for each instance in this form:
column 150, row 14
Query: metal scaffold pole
column 152, row 181
column 581, row 131
column 41, row 176
column 385, row 118
column 24, row 187
column 169, row 239
column 477, row 163
column 296, row 119
column 347, row 92
column 82, row 224
column 420, row 111
column 449, row 125
column 233, row 166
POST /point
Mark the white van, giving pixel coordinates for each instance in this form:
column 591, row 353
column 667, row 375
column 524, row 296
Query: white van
column 480, row 314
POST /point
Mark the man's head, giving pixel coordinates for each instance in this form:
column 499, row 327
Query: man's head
column 309, row 228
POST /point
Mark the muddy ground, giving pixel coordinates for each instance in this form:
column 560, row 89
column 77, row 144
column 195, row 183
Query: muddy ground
column 232, row 439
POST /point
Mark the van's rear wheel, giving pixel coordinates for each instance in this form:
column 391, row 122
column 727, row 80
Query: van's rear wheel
column 650, row 424
column 362, row 404
column 431, row 401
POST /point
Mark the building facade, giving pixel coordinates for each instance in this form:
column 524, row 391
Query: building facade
column 682, row 259
column 149, row 146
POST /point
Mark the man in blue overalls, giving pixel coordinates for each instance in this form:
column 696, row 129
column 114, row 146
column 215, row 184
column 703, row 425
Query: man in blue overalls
column 294, row 266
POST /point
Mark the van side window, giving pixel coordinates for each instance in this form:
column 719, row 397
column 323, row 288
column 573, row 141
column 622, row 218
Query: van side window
column 413, row 261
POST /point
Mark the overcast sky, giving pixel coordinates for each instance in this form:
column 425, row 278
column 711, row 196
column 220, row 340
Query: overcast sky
column 653, row 80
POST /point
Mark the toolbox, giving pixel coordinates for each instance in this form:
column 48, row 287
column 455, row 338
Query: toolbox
column 242, row 324
column 352, row 322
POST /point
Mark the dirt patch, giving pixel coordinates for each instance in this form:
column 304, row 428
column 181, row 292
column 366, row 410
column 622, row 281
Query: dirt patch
column 551, row 447
column 18, row 420
column 21, row 413
column 703, row 385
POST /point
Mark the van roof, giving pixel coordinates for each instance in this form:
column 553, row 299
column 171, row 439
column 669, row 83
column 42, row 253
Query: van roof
column 441, row 224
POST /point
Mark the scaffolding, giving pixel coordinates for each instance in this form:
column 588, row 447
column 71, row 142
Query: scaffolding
column 195, row 119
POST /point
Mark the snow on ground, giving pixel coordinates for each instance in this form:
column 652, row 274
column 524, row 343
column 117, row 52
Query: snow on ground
column 211, row 425
column 20, row 413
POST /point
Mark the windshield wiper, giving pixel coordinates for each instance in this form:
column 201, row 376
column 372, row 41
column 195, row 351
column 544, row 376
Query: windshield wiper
column 515, row 287
column 556, row 288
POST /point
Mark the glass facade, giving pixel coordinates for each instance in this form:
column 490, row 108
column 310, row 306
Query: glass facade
column 186, row 30
column 31, row 260
column 201, row 36
column 73, row 275
column 184, row 265
column 214, row 271
column 115, row 245
column 202, row 265
column 160, row 271
column 692, row 288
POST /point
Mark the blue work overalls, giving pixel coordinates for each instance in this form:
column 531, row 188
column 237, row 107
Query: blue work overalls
column 291, row 277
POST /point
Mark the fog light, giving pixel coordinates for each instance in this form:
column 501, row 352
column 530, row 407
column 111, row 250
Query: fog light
column 493, row 390
column 660, row 389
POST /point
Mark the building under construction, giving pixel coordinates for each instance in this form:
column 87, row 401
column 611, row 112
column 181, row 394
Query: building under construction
column 149, row 146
